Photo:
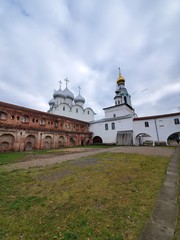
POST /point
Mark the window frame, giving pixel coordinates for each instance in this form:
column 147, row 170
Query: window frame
column 146, row 124
column 113, row 126
column 176, row 121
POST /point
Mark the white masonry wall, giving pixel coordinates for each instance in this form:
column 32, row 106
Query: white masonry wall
column 159, row 128
column 109, row 136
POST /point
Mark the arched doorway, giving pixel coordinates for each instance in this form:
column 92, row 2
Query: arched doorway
column 72, row 142
column 143, row 139
column 174, row 139
column 97, row 140
column 61, row 141
column 6, row 142
column 48, row 142
column 30, row 143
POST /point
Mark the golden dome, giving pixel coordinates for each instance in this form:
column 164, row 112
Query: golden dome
column 120, row 79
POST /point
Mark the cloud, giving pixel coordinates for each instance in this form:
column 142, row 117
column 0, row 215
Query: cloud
column 86, row 41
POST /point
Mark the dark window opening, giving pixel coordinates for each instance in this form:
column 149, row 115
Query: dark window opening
column 113, row 126
column 106, row 126
column 146, row 124
column 176, row 121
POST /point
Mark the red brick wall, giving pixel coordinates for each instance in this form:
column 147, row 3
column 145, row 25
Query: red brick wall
column 31, row 129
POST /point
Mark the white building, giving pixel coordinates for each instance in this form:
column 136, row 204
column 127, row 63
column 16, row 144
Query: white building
column 63, row 103
column 159, row 129
column 121, row 125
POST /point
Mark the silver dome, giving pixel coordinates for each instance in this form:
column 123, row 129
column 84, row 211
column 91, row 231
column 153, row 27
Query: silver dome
column 59, row 93
column 79, row 98
column 68, row 94
column 52, row 102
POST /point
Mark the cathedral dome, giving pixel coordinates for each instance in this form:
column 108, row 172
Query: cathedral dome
column 52, row 102
column 68, row 94
column 79, row 98
column 59, row 93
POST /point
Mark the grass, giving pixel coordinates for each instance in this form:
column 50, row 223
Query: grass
column 12, row 157
column 107, row 196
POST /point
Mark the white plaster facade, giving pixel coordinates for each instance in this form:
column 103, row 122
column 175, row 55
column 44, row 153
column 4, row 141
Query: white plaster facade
column 122, row 126
column 157, row 129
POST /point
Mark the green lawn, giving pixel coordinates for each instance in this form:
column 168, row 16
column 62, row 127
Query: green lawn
column 105, row 196
column 12, row 157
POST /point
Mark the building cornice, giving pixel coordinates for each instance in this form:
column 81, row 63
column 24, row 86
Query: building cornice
column 156, row 116
column 116, row 106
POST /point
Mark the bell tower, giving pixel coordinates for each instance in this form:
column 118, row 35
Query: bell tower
column 122, row 96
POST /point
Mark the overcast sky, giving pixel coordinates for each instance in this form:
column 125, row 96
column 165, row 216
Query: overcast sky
column 44, row 41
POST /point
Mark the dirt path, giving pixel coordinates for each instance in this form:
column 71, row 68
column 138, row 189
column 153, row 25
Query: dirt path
column 155, row 151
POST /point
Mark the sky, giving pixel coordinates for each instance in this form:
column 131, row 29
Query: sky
column 86, row 41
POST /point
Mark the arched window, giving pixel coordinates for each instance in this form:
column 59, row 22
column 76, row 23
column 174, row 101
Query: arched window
column 146, row 124
column 25, row 119
column 64, row 108
column 56, row 124
column 3, row 116
column 76, row 110
column 106, row 126
column 42, row 121
column 113, row 125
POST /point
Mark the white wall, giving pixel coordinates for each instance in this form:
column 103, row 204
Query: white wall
column 118, row 110
column 76, row 112
column 159, row 128
column 109, row 136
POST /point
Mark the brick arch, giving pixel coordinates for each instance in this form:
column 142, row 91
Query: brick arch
column 72, row 142
column 30, row 143
column 7, row 142
column 48, row 142
column 61, row 141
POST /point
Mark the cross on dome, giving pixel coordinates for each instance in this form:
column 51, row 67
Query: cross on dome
column 79, row 89
column 119, row 71
column 60, row 82
column 66, row 80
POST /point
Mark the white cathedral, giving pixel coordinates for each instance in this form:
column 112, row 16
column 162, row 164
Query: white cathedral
column 121, row 125
column 63, row 103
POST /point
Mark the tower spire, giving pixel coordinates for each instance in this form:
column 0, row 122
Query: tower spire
column 119, row 71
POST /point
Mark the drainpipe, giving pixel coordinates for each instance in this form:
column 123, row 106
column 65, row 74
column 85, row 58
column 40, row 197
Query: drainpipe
column 156, row 131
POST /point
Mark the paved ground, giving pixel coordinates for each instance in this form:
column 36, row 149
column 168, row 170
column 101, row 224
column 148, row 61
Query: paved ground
column 84, row 152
